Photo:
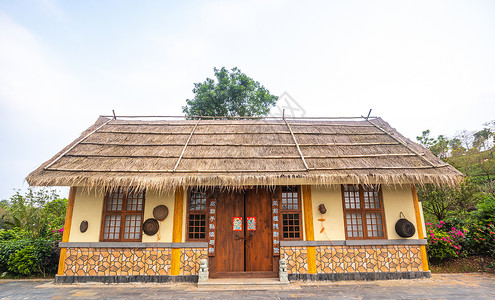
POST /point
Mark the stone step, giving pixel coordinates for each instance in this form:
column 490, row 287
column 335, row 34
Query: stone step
column 243, row 283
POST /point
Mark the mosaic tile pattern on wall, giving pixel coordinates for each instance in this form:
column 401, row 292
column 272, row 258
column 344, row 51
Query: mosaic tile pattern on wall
column 351, row 259
column 117, row 261
column 297, row 259
column 190, row 259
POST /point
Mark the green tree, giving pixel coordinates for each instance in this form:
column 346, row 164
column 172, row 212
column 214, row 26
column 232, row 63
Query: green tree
column 232, row 94
column 37, row 211
column 425, row 140
column 440, row 201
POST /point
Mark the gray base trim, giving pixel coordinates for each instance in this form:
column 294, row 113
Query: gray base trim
column 353, row 243
column 131, row 245
column 125, row 279
column 360, row 276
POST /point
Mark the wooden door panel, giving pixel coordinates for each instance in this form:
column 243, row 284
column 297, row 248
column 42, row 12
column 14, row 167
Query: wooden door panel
column 229, row 255
column 259, row 252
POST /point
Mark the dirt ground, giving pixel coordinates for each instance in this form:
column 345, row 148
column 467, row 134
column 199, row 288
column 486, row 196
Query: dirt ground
column 440, row 286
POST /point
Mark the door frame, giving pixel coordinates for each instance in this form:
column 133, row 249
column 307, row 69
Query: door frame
column 246, row 274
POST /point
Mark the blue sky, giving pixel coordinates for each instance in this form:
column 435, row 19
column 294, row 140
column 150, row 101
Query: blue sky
column 418, row 64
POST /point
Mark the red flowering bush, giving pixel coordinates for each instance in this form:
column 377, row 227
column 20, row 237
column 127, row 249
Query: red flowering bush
column 444, row 243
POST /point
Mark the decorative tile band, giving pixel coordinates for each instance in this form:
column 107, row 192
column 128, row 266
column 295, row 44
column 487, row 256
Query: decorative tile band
column 297, row 259
column 190, row 259
column 129, row 261
column 352, row 259
column 157, row 261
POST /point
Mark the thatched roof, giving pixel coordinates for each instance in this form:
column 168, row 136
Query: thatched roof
column 233, row 152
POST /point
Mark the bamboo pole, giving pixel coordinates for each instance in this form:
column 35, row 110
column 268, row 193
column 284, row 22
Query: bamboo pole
column 177, row 230
column 240, row 118
column 185, row 146
column 403, row 143
column 419, row 225
column 309, row 227
column 297, row 145
column 238, row 132
column 240, row 145
column 244, row 157
column 245, row 171
column 67, row 227
column 75, row 144
column 240, row 124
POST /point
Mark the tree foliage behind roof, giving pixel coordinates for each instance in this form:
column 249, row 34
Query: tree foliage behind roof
column 232, row 94
column 471, row 152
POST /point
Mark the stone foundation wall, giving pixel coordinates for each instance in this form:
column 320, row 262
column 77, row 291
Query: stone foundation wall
column 129, row 261
column 353, row 259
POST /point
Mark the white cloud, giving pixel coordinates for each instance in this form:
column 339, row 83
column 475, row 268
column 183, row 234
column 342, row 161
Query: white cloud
column 33, row 83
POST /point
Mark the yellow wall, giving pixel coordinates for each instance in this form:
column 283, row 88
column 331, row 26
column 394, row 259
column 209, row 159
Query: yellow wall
column 88, row 206
column 334, row 217
column 397, row 200
column 153, row 199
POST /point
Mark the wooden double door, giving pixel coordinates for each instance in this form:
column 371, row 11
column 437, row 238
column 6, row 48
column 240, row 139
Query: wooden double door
column 243, row 253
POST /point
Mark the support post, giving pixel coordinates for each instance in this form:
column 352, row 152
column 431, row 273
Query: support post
column 309, row 227
column 419, row 225
column 177, row 230
column 67, row 226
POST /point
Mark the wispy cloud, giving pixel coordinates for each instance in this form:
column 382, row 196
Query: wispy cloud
column 52, row 9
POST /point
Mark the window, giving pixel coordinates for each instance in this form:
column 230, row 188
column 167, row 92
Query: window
column 122, row 216
column 196, row 216
column 291, row 213
column 363, row 212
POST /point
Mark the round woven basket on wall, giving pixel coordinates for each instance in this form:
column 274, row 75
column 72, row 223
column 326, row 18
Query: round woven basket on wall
column 84, row 226
column 150, row 226
column 160, row 212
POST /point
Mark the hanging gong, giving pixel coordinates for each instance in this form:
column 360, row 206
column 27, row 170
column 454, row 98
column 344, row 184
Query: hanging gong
column 150, row 226
column 160, row 212
column 404, row 227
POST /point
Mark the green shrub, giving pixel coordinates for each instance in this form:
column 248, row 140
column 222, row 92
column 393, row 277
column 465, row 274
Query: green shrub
column 482, row 239
column 24, row 261
column 485, row 209
column 16, row 260
column 9, row 245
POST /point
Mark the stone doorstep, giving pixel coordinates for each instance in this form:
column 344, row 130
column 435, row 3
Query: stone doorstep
column 243, row 282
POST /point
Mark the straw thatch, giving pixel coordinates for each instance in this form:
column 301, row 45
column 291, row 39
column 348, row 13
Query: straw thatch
column 231, row 153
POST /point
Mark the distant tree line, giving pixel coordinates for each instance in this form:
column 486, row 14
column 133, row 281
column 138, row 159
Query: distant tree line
column 471, row 152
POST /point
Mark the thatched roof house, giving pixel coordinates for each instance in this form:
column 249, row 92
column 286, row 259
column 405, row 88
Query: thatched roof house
column 297, row 198
column 167, row 154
